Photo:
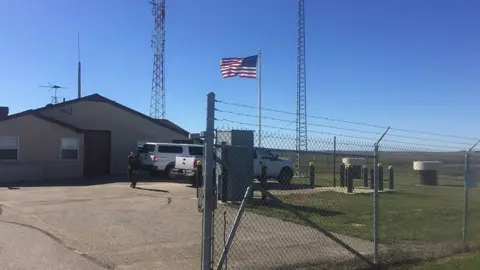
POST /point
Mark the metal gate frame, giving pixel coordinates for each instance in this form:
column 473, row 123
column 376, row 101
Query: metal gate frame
column 287, row 207
column 208, row 198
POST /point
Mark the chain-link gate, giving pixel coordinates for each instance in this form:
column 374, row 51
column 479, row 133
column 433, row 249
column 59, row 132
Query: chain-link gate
column 352, row 204
column 265, row 217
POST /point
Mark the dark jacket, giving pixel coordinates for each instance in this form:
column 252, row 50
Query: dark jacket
column 134, row 163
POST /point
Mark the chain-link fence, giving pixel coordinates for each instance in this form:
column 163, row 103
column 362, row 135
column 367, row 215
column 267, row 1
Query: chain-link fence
column 338, row 205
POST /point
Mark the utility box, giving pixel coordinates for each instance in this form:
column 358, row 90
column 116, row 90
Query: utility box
column 235, row 154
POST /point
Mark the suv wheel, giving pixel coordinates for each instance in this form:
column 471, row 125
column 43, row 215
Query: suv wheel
column 285, row 177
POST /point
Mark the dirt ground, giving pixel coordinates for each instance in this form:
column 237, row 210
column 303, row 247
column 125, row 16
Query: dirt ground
column 156, row 226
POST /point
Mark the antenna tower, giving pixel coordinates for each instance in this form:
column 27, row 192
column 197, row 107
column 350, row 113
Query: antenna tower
column 157, row 101
column 301, row 137
column 55, row 89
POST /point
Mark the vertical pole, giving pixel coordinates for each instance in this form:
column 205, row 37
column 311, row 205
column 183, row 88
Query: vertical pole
column 79, row 74
column 380, row 176
column 334, row 161
column 349, row 178
column 375, row 204
column 208, row 194
column 391, row 184
column 465, row 201
column 342, row 175
column 312, row 175
column 365, row 176
column 259, row 97
column 372, row 177
column 376, row 213
column 263, row 180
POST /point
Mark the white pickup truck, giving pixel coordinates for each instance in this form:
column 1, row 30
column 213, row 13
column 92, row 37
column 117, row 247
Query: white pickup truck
column 187, row 165
column 277, row 168
column 160, row 157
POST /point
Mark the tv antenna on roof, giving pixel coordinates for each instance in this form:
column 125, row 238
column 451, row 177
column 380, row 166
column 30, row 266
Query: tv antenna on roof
column 54, row 88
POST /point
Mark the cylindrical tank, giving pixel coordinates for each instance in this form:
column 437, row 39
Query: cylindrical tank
column 428, row 171
column 356, row 165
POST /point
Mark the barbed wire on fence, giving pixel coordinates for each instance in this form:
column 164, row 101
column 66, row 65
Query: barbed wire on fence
column 340, row 162
column 430, row 143
column 419, row 146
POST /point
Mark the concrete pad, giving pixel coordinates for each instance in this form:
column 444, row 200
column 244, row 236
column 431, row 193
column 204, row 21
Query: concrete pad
column 23, row 247
column 118, row 225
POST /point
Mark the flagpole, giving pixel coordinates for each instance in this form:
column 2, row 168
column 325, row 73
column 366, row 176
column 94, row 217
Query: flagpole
column 259, row 80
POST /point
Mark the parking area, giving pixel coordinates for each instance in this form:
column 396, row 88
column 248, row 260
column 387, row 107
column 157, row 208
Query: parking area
column 156, row 226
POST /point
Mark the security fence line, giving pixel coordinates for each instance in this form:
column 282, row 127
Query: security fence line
column 239, row 197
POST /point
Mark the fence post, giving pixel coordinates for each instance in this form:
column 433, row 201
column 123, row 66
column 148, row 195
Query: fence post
column 465, row 201
column 380, row 176
column 465, row 195
column 349, row 178
column 365, row 176
column 208, row 192
column 334, row 161
column 375, row 199
column 342, row 175
column 263, row 179
column 372, row 177
column 312, row 175
column 390, row 178
column 375, row 204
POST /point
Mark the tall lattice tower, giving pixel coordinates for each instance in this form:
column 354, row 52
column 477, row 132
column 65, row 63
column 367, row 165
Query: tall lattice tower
column 301, row 138
column 157, row 101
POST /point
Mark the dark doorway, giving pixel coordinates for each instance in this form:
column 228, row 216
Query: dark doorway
column 97, row 152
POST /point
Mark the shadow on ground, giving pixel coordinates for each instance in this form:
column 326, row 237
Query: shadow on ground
column 142, row 177
column 278, row 186
column 152, row 189
column 306, row 209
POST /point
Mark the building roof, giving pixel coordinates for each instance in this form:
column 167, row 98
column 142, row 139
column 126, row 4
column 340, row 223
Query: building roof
column 43, row 117
column 99, row 98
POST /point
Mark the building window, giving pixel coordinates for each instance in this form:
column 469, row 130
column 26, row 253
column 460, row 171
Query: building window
column 9, row 148
column 70, row 148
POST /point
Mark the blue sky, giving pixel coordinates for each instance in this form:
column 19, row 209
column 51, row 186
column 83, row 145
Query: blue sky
column 417, row 60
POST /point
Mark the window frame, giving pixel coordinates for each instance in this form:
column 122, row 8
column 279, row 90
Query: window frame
column 192, row 147
column 78, row 149
column 18, row 148
column 171, row 147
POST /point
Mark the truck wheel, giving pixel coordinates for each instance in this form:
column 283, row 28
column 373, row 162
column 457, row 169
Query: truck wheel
column 170, row 173
column 286, row 175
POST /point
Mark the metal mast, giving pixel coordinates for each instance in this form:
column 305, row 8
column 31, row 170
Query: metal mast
column 157, row 101
column 79, row 72
column 301, row 137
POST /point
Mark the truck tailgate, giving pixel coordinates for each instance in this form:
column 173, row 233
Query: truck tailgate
column 185, row 162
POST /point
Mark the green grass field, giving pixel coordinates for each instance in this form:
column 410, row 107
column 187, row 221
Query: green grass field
column 466, row 261
column 426, row 219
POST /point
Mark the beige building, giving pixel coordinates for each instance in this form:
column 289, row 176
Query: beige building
column 89, row 136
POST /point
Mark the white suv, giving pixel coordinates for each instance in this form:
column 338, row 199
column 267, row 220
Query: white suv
column 279, row 168
column 160, row 157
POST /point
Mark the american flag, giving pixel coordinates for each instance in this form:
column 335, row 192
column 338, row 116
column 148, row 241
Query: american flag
column 243, row 67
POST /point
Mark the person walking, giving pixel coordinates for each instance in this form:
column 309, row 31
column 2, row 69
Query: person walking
column 132, row 169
